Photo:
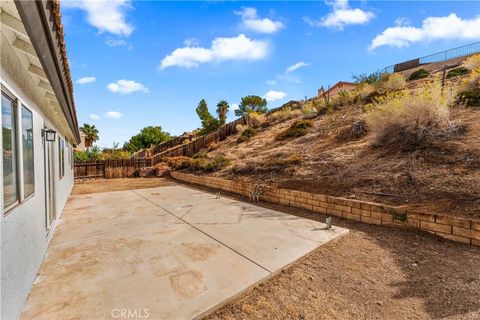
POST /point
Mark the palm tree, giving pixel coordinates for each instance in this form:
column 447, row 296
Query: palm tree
column 222, row 110
column 91, row 134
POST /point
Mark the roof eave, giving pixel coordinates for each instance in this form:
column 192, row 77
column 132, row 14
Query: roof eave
column 41, row 24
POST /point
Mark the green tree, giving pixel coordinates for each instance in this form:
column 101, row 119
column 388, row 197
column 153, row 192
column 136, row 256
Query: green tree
column 372, row 78
column 251, row 104
column 222, row 110
column 91, row 134
column 148, row 136
column 209, row 122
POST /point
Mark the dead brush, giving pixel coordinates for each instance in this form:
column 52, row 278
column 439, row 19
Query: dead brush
column 407, row 121
column 291, row 160
column 284, row 114
column 256, row 119
column 354, row 131
column 178, row 163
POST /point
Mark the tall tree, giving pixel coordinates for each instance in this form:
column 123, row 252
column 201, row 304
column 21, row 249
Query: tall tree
column 148, row 136
column 251, row 104
column 209, row 123
column 222, row 110
column 91, row 134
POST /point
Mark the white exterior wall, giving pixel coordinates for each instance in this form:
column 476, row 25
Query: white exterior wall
column 24, row 237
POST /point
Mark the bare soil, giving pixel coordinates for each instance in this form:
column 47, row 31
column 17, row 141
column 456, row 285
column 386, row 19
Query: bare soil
column 441, row 178
column 374, row 272
column 107, row 185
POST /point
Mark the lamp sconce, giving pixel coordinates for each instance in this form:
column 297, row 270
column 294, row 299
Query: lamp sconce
column 50, row 134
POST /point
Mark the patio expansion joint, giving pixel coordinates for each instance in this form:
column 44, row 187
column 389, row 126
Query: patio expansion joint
column 200, row 230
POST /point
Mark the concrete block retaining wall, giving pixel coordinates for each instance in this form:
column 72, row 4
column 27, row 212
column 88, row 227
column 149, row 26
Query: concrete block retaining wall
column 452, row 228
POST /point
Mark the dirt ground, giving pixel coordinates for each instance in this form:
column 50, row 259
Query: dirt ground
column 106, row 185
column 443, row 178
column 374, row 272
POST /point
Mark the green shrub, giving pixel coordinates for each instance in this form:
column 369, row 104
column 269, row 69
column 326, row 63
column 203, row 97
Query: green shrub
column 419, row 74
column 246, row 135
column 209, row 164
column 200, row 155
column 291, row 160
column 457, row 72
column 297, row 129
column 469, row 98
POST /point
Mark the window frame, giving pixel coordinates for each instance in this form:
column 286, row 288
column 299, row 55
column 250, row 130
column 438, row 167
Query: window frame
column 24, row 196
column 61, row 158
column 15, row 151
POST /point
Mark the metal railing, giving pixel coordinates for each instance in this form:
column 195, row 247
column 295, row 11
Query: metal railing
column 441, row 56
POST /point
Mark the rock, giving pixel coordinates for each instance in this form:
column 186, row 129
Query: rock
column 162, row 171
column 146, row 172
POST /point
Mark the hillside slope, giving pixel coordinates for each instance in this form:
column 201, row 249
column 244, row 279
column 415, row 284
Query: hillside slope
column 444, row 178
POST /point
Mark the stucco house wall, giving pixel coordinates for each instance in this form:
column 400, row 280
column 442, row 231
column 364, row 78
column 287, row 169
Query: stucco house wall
column 23, row 231
column 24, row 237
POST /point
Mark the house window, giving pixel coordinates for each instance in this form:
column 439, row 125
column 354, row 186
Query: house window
column 27, row 148
column 61, row 157
column 10, row 186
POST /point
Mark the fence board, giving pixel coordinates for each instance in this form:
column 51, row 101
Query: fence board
column 110, row 169
column 189, row 149
column 129, row 168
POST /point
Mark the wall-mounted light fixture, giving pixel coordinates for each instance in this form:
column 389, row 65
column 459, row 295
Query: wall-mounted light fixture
column 50, row 134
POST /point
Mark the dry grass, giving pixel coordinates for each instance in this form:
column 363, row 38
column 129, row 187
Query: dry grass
column 392, row 82
column 256, row 119
column 284, row 114
column 472, row 62
column 444, row 178
column 410, row 120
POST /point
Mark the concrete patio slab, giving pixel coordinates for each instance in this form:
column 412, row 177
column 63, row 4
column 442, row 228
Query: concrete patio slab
column 163, row 253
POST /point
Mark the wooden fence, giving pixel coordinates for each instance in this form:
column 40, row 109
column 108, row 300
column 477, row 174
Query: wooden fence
column 129, row 168
column 110, row 169
column 189, row 149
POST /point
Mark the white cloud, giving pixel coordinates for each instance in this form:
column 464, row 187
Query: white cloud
column 94, row 116
column 235, row 48
column 251, row 21
column 191, row 42
column 85, row 80
column 113, row 115
column 433, row 28
column 126, row 87
column 105, row 15
column 274, row 95
column 116, row 42
column 271, row 82
column 296, row 66
column 341, row 16
column 234, row 106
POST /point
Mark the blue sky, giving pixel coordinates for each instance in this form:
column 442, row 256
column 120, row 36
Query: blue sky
column 140, row 63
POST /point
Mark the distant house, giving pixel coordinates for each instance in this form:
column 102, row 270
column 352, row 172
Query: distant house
column 336, row 88
column 39, row 131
